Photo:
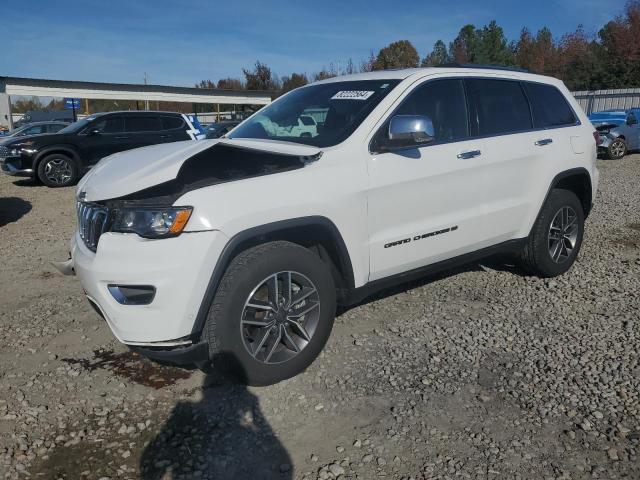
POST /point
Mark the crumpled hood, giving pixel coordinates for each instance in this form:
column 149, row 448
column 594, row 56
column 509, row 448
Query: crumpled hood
column 134, row 170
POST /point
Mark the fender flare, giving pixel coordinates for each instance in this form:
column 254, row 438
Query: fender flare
column 256, row 235
column 572, row 172
column 73, row 153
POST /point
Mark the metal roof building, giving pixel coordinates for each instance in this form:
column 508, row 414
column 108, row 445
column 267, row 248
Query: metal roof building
column 17, row 86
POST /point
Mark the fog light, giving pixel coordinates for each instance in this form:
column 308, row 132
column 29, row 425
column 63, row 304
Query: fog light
column 133, row 294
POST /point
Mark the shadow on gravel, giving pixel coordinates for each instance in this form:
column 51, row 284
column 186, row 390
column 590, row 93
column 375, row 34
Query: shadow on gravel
column 28, row 182
column 224, row 435
column 12, row 209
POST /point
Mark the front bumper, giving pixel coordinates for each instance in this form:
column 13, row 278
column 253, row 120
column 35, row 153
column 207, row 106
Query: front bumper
column 17, row 166
column 179, row 268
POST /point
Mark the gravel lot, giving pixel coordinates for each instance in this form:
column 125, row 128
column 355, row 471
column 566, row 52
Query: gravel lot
column 477, row 373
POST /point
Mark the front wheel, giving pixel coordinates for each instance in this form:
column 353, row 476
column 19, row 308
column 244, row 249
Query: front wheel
column 272, row 313
column 617, row 149
column 58, row 170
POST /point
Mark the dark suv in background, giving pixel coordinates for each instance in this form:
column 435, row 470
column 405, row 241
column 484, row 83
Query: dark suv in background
column 61, row 159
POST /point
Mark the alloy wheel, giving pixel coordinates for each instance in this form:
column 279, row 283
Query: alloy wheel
column 563, row 234
column 58, row 171
column 618, row 149
column 280, row 317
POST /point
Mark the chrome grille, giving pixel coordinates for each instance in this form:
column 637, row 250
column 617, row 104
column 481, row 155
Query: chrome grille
column 92, row 222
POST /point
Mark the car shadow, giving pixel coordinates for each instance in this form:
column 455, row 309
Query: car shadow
column 13, row 209
column 223, row 435
column 28, row 182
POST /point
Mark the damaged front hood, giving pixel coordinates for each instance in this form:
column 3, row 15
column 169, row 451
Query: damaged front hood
column 135, row 170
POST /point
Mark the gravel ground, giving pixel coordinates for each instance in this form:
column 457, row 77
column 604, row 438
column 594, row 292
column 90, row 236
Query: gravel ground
column 477, row 373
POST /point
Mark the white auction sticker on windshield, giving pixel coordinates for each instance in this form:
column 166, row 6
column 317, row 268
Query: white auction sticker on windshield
column 352, row 95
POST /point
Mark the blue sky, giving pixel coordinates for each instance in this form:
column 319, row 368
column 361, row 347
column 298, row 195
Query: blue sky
column 180, row 42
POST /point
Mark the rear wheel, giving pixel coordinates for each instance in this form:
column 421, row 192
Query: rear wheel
column 617, row 149
column 556, row 236
column 272, row 314
column 58, row 170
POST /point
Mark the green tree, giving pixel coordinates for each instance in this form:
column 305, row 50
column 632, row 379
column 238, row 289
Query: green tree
column 463, row 47
column 294, row 81
column 260, row 78
column 438, row 56
column 230, row 83
column 491, row 46
column 400, row 54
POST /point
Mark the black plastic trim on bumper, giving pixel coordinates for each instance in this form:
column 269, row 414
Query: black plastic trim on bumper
column 7, row 167
column 193, row 355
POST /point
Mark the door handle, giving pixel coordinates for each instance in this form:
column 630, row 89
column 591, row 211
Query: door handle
column 544, row 141
column 122, row 137
column 469, row 154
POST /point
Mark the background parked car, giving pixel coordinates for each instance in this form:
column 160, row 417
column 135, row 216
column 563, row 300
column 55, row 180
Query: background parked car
column 33, row 116
column 619, row 131
column 60, row 159
column 217, row 130
column 36, row 128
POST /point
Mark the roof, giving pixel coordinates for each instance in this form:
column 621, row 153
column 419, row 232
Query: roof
column 402, row 74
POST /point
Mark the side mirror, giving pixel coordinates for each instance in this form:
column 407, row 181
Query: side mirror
column 409, row 131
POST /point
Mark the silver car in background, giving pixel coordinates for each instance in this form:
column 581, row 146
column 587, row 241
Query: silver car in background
column 619, row 131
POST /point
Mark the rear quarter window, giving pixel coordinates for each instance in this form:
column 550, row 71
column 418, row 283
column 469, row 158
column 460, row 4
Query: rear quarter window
column 549, row 107
column 172, row 123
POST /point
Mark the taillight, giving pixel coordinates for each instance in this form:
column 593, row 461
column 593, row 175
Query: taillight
column 597, row 137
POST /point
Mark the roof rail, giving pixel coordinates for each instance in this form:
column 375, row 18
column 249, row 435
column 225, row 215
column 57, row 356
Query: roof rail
column 477, row 65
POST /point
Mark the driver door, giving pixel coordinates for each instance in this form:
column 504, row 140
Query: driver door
column 425, row 203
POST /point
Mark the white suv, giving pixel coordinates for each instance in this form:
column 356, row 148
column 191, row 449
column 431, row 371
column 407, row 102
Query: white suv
column 235, row 252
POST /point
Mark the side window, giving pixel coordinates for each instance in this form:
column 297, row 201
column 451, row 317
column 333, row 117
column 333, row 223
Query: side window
column 54, row 128
column 109, row 125
column 497, row 107
column 548, row 106
column 631, row 119
column 444, row 103
column 171, row 123
column 35, row 130
column 143, row 124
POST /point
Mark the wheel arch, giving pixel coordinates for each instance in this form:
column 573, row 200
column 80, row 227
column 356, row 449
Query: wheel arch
column 578, row 181
column 317, row 233
column 61, row 149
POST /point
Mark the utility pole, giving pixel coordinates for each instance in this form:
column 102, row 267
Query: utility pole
column 146, row 82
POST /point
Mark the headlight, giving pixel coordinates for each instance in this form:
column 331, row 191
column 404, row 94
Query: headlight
column 151, row 222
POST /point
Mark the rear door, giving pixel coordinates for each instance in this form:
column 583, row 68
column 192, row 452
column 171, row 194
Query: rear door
column 633, row 142
column 425, row 204
column 173, row 129
column 518, row 155
column 143, row 130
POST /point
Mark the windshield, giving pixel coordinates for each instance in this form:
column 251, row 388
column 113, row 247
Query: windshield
column 319, row 115
column 77, row 126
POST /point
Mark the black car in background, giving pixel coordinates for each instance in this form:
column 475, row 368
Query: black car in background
column 218, row 129
column 60, row 159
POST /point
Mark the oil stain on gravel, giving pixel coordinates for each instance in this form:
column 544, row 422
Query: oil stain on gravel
column 132, row 366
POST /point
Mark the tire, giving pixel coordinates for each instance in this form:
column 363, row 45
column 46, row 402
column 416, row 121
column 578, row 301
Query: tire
column 556, row 237
column 58, row 170
column 616, row 150
column 240, row 344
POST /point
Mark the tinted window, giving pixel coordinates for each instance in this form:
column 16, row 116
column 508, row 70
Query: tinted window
column 143, row 124
column 35, row 130
column 631, row 119
column 170, row 123
column 497, row 107
column 109, row 125
column 443, row 102
column 548, row 106
column 55, row 128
